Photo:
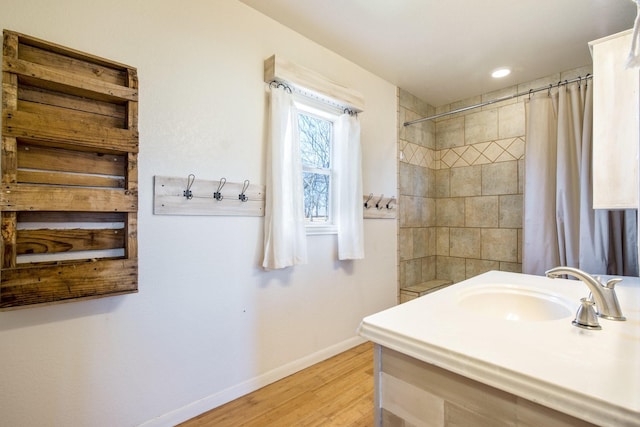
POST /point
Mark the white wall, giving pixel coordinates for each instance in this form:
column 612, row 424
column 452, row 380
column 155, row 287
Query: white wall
column 208, row 324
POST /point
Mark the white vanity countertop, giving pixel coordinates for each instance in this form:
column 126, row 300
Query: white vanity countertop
column 592, row 375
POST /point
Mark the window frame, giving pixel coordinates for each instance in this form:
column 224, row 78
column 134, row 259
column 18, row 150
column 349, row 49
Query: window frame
column 304, row 104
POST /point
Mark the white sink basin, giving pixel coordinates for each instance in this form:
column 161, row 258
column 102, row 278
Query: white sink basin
column 515, row 303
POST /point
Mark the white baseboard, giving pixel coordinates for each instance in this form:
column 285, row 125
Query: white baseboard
column 213, row 401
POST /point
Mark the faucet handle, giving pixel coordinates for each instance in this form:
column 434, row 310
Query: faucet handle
column 612, row 282
column 586, row 317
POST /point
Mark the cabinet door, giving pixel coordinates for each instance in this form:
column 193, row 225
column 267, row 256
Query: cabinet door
column 616, row 127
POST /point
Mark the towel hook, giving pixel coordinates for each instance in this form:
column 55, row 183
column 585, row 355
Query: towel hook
column 242, row 197
column 366, row 203
column 188, row 193
column 391, row 200
column 217, row 195
column 379, row 202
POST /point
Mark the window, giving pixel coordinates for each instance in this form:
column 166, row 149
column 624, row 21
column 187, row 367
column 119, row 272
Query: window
column 315, row 133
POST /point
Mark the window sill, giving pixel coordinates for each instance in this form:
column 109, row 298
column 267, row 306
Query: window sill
column 316, row 230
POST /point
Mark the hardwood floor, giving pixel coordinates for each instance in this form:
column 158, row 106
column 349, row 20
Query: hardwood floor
column 336, row 392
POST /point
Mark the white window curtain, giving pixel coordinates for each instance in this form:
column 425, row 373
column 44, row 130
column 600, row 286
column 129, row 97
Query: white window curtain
column 560, row 225
column 349, row 189
column 285, row 239
column 633, row 60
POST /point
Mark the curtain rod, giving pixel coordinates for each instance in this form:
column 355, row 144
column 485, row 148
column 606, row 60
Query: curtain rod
column 295, row 89
column 493, row 101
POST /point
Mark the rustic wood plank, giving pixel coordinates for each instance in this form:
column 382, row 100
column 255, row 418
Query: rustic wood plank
column 57, row 131
column 60, row 160
column 9, row 92
column 9, row 80
column 8, row 159
column 10, row 44
column 131, row 228
column 55, row 241
column 131, row 225
column 70, row 217
column 132, row 107
column 132, row 172
column 31, row 285
column 9, row 246
column 60, row 178
column 82, row 67
column 280, row 69
column 70, row 114
column 71, row 102
column 67, row 82
column 26, row 39
column 27, row 197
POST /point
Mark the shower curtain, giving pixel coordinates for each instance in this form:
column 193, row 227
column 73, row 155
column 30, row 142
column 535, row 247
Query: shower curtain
column 560, row 226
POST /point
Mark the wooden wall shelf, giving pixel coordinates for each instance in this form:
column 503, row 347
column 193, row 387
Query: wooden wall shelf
column 69, row 196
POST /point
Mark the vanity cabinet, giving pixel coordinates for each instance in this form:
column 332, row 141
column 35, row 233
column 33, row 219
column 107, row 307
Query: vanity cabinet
column 616, row 129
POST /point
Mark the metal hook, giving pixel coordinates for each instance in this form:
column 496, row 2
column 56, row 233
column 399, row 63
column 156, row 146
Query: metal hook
column 217, row 195
column 549, row 91
column 392, row 199
column 378, row 203
column 279, row 85
column 579, row 81
column 530, row 92
column 187, row 193
column 242, row 197
column 366, row 203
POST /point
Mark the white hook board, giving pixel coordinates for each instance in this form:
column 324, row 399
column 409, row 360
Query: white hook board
column 386, row 209
column 169, row 199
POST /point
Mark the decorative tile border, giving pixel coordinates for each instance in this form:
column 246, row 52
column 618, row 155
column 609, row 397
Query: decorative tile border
column 502, row 150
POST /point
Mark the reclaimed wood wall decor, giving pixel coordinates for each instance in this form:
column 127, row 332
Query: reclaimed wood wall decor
column 69, row 196
column 236, row 198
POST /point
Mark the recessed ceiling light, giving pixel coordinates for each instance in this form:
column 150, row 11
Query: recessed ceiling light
column 500, row 72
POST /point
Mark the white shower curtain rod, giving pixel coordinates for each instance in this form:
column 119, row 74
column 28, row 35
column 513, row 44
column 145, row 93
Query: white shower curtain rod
column 493, row 101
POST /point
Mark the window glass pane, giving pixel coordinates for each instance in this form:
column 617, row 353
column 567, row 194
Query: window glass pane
column 315, row 141
column 316, row 197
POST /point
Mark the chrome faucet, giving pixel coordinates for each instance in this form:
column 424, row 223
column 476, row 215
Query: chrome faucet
column 604, row 295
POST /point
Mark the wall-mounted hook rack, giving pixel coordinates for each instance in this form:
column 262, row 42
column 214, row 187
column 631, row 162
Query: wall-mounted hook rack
column 385, row 208
column 171, row 197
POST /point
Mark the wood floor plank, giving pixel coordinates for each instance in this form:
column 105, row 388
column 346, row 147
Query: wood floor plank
column 335, row 392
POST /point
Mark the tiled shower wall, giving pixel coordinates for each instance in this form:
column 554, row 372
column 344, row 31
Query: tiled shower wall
column 417, row 200
column 461, row 185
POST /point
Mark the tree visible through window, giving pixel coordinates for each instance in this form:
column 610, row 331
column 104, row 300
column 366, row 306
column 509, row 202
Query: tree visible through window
column 316, row 137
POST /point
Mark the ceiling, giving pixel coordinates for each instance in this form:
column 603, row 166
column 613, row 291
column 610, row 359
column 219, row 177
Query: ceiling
column 443, row 51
